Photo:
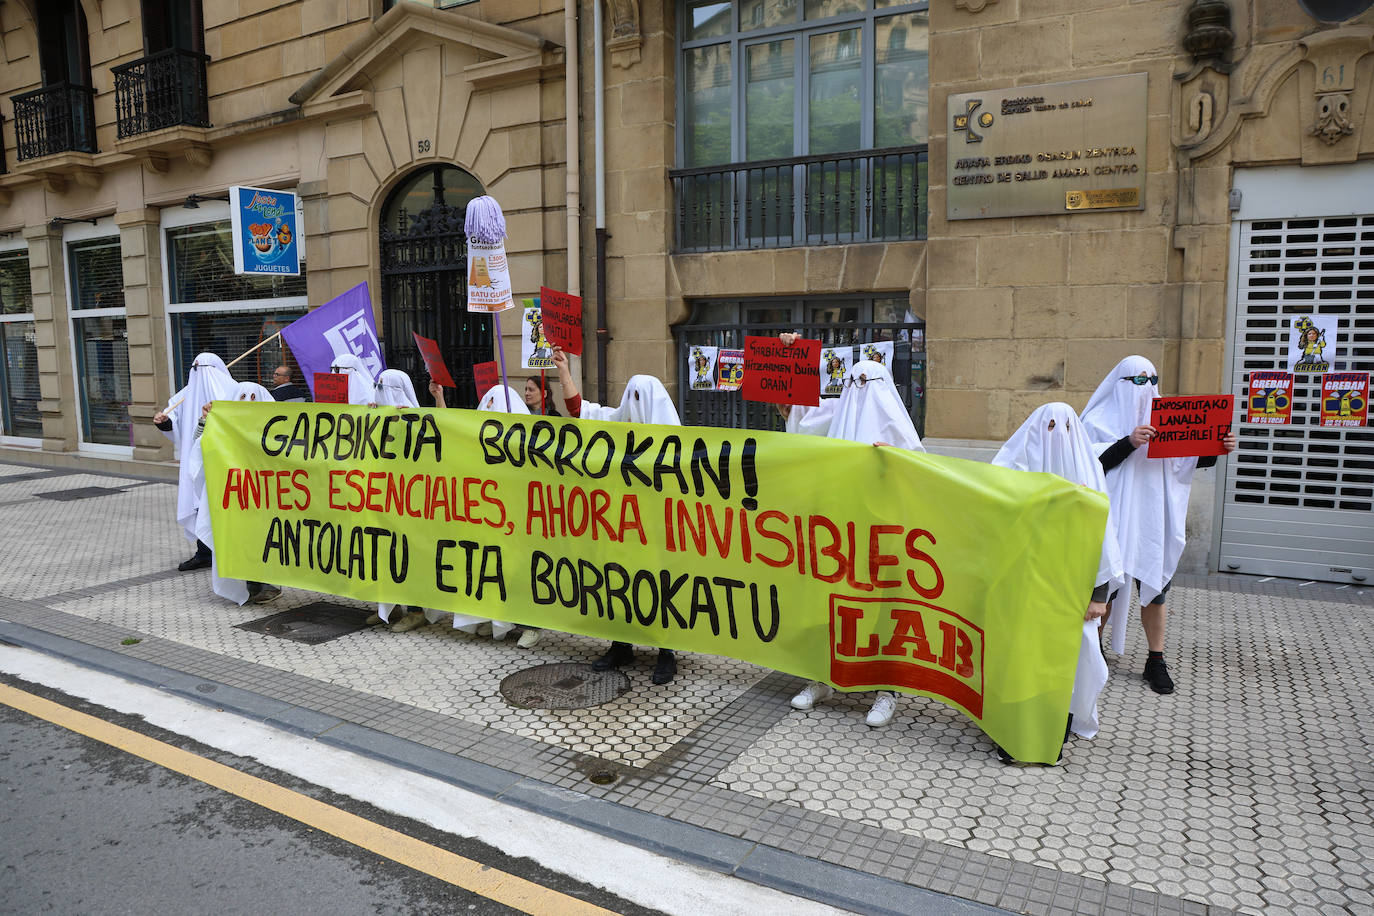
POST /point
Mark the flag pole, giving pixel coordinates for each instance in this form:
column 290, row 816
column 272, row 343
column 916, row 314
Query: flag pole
column 262, row 343
column 501, row 354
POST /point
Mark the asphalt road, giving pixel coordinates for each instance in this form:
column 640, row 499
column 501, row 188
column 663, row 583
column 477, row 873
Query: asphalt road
column 86, row 828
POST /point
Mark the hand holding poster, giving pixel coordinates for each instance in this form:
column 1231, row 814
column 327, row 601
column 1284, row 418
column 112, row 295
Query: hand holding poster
column 535, row 350
column 1271, row 398
column 434, row 360
column 780, row 373
column 331, row 388
column 1190, row 425
column 835, row 561
column 562, row 319
column 1345, row 399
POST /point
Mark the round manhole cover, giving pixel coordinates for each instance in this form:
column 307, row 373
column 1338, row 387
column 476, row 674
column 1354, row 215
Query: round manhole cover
column 565, row 685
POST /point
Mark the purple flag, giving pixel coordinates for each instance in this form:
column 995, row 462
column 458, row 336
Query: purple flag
column 344, row 324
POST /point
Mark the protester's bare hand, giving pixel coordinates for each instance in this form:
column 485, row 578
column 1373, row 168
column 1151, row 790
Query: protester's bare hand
column 436, row 390
column 1142, row 435
column 1228, row 441
column 1096, row 610
column 788, row 338
column 881, row 444
column 159, row 417
column 560, row 359
column 205, row 411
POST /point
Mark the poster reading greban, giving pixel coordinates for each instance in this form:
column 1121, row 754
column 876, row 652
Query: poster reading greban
column 266, row 234
column 830, row 560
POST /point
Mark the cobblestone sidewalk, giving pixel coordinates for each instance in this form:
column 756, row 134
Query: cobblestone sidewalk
column 1251, row 788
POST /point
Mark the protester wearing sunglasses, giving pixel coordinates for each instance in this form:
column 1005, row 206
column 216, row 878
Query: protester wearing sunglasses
column 1149, row 498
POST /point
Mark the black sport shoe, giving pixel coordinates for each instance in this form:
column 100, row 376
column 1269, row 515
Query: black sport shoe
column 1157, row 674
column 197, row 561
column 620, row 653
column 666, row 667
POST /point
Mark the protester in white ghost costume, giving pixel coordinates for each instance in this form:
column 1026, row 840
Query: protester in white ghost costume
column 1149, row 499
column 1053, row 441
column 238, row 591
column 362, row 387
column 394, row 390
column 208, row 381
column 869, row 411
column 645, row 401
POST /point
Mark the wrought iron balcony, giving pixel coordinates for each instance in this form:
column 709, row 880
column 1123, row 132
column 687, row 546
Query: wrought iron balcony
column 869, row 196
column 55, row 119
column 161, row 90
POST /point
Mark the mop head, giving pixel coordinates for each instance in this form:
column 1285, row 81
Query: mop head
column 484, row 221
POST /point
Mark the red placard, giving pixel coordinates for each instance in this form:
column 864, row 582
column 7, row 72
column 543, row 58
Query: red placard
column 331, row 388
column 485, row 375
column 562, row 314
column 1271, row 398
column 1345, row 399
column 782, row 374
column 1190, row 425
column 434, row 360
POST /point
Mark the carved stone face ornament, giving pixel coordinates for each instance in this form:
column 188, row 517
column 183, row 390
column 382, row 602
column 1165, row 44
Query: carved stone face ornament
column 1333, row 118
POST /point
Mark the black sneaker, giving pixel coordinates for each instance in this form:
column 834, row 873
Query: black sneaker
column 666, row 667
column 1157, row 674
column 620, row 653
column 197, row 561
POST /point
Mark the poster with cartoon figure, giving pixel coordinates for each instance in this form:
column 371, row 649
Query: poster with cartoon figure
column 835, row 363
column 879, row 351
column 729, row 370
column 1312, row 343
column 1270, row 398
column 701, row 368
column 1345, row 399
column 535, row 350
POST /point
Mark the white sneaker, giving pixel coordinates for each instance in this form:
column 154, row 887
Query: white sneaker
column 812, row 694
column 882, row 710
column 529, row 639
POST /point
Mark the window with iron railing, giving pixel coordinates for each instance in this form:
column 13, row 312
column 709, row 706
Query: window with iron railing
column 801, row 122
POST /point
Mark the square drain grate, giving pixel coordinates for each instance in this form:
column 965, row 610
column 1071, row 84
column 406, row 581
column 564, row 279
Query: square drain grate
column 311, row 624
column 78, row 493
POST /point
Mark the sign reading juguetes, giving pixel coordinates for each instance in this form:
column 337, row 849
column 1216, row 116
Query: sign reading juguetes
column 266, row 235
column 864, row 567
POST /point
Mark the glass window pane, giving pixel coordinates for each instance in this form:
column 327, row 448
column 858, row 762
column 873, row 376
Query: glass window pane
column 201, row 261
column 102, row 356
column 821, row 9
column 19, row 380
column 97, row 275
column 229, row 334
column 762, row 14
column 16, row 298
column 836, row 89
column 706, row 120
column 708, row 20
column 901, row 106
column 769, row 100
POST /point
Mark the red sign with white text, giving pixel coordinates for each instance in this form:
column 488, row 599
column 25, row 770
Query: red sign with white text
column 1345, row 399
column 779, row 373
column 331, row 388
column 562, row 313
column 434, row 360
column 1190, row 425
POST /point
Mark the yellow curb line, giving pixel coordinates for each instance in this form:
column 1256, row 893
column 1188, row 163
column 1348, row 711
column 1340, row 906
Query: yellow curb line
column 468, row 874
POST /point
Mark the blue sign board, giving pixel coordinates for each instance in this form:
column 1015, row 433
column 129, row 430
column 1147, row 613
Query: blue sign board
column 266, row 231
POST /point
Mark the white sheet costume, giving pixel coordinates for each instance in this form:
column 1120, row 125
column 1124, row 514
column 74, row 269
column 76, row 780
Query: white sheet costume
column 1149, row 496
column 869, row 411
column 362, row 387
column 1053, row 441
column 645, row 401
column 208, row 381
column 235, row 590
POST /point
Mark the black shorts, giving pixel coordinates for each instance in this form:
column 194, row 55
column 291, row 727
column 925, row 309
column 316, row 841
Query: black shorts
column 1159, row 599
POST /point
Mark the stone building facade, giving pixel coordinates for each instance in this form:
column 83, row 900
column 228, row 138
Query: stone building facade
column 764, row 164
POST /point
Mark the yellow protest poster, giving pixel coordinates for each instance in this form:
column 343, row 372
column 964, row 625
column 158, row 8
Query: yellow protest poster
column 859, row 566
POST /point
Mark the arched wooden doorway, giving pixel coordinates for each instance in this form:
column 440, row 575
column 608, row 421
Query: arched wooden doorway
column 424, row 278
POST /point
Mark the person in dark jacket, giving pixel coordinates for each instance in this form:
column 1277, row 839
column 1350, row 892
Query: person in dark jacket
column 283, row 389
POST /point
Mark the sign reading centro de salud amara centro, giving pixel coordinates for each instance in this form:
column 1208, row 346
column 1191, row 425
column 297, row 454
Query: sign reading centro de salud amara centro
column 1048, row 149
column 266, row 235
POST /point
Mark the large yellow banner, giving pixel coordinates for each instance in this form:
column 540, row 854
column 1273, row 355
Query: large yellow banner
column 861, row 566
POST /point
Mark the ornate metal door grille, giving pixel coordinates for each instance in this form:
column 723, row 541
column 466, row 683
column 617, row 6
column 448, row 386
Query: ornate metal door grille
column 1300, row 498
column 424, row 291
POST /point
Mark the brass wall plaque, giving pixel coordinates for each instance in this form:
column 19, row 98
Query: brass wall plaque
column 1048, row 149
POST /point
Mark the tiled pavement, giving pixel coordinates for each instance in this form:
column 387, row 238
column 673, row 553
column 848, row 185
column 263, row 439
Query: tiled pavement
column 1250, row 789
